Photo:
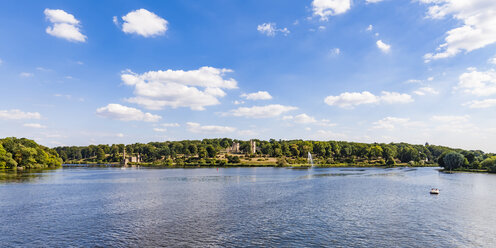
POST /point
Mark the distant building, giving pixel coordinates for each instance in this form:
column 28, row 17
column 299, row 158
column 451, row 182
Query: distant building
column 124, row 159
column 234, row 148
column 253, row 146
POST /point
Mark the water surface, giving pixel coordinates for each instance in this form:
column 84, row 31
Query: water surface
column 233, row 207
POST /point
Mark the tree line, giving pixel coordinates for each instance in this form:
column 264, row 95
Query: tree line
column 212, row 151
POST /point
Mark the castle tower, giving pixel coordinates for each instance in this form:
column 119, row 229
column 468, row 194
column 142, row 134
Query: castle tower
column 253, row 147
column 124, row 159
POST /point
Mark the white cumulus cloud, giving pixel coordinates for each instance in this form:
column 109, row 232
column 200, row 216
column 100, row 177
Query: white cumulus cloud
column 144, row 23
column 270, row 29
column 195, row 89
column 301, row 119
column 123, row 113
column 395, row 97
column 422, row 91
column 486, row 103
column 326, row 8
column 260, row 95
column 385, row 48
column 266, row 111
column 16, row 114
column 352, row 99
column 34, row 125
column 64, row 25
column 477, row 82
column 477, row 29
column 208, row 129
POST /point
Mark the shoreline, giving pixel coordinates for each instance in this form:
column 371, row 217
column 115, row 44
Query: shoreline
column 243, row 166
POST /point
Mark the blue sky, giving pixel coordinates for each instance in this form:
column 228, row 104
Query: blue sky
column 90, row 72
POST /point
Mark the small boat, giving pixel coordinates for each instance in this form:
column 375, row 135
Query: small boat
column 435, row 191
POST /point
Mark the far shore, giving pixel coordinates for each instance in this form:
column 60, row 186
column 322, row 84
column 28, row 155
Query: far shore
column 341, row 165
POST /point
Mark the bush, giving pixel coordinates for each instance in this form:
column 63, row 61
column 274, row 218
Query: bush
column 390, row 162
column 233, row 159
column 281, row 162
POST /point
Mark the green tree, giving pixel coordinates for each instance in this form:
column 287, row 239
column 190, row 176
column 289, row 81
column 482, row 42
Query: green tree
column 211, row 151
column 453, row 160
column 489, row 164
column 100, row 154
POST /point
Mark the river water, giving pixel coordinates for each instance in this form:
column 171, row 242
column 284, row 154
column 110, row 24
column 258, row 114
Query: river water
column 247, row 207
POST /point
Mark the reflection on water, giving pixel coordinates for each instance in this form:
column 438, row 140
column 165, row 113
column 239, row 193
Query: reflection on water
column 239, row 207
column 21, row 176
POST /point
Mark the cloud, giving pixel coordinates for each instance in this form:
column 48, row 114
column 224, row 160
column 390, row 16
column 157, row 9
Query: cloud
column 1, row 61
column 197, row 128
column 248, row 133
column 157, row 129
column 236, row 102
column 491, row 60
column 123, row 113
column 26, row 74
column 304, row 119
column 326, row 8
column 158, row 89
column 335, row 52
column 328, row 135
column 478, row 27
column 414, row 81
column 374, row 1
column 64, row 25
column 426, row 91
column 115, row 20
column 270, row 29
column 34, row 125
column 478, row 83
column 267, row 111
column 487, row 103
column 395, row 97
column 454, row 123
column 260, row 95
column 170, row 125
column 352, row 99
column 326, row 123
column 16, row 114
column 385, row 48
column 63, row 95
column 390, row 122
column 370, row 28
column 450, row 118
column 144, row 23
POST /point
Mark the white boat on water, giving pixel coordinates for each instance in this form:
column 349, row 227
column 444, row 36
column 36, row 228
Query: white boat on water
column 434, row 191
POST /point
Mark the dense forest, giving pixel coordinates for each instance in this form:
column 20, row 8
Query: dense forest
column 26, row 154
column 218, row 152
